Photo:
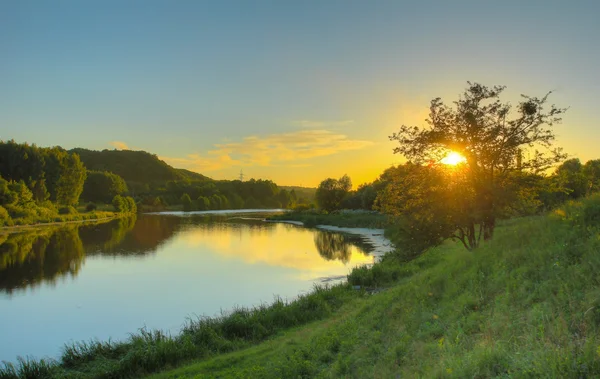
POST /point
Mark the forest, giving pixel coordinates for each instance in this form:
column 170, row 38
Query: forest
column 42, row 185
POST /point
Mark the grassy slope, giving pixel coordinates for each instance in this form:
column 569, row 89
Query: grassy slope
column 526, row 304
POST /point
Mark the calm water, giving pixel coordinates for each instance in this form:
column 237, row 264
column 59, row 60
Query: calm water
column 77, row 282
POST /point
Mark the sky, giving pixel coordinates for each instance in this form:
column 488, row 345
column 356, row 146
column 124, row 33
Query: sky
column 292, row 91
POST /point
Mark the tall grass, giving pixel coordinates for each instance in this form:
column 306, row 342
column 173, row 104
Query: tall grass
column 150, row 351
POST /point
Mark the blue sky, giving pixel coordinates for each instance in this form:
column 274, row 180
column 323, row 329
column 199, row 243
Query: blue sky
column 293, row 91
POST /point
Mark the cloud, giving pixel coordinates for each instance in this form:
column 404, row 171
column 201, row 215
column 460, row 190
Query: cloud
column 271, row 150
column 321, row 124
column 119, row 145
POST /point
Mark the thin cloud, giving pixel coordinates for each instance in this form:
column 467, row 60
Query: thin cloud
column 321, row 124
column 119, row 145
column 273, row 150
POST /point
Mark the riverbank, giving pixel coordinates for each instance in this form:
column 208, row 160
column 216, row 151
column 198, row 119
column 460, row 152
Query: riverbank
column 97, row 216
column 375, row 238
column 524, row 304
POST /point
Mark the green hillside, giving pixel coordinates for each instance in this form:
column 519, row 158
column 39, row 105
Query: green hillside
column 134, row 166
column 191, row 175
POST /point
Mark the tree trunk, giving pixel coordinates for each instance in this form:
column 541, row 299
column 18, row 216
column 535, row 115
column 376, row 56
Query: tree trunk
column 489, row 224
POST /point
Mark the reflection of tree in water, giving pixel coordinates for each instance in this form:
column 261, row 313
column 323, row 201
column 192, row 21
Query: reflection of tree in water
column 333, row 246
column 29, row 258
column 44, row 254
column 128, row 236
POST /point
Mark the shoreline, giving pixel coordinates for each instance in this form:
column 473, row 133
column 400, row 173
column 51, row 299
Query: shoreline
column 373, row 237
column 17, row 228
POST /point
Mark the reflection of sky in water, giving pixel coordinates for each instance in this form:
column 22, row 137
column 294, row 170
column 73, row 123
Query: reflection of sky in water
column 195, row 267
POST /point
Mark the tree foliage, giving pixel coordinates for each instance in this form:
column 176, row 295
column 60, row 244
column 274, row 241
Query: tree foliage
column 50, row 173
column 124, row 204
column 186, row 201
column 493, row 136
column 103, row 186
column 331, row 192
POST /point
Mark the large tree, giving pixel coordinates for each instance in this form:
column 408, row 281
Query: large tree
column 103, row 186
column 495, row 137
column 331, row 192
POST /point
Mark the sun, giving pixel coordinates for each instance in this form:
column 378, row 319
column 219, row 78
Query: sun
column 453, row 159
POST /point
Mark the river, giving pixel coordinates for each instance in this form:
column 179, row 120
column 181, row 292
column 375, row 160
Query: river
column 76, row 282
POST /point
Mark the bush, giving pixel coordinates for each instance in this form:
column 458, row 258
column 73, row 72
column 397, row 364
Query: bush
column 120, row 204
column 16, row 211
column 591, row 211
column 67, row 211
column 131, row 206
column 91, row 207
column 4, row 217
column 302, row 207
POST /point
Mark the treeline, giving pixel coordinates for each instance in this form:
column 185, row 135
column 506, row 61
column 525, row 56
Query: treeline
column 44, row 185
column 157, row 186
column 38, row 183
column 215, row 195
column 531, row 193
column 48, row 184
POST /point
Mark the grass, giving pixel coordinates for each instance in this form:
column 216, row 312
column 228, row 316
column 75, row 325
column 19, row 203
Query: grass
column 341, row 219
column 524, row 305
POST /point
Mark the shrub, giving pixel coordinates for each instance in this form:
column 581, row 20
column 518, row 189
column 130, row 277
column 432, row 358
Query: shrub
column 120, row 204
column 131, row 206
column 67, row 210
column 302, row 207
column 16, row 211
column 4, row 217
column 591, row 211
column 90, row 207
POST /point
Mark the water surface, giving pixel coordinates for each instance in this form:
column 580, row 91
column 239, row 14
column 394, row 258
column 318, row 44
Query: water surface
column 80, row 281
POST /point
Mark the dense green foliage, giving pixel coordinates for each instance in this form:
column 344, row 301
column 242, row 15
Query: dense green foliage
column 331, row 193
column 138, row 167
column 224, row 194
column 18, row 207
column 103, row 186
column 38, row 184
column 156, row 185
column 124, row 204
column 491, row 136
column 49, row 173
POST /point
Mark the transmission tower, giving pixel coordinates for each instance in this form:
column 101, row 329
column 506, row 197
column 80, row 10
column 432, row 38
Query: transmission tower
column 241, row 175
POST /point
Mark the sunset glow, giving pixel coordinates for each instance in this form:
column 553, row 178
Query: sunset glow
column 453, row 159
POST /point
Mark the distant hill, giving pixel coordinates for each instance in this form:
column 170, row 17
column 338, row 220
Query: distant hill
column 134, row 166
column 191, row 175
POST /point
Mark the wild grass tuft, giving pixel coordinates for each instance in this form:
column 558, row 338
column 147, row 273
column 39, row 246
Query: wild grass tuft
column 27, row 368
